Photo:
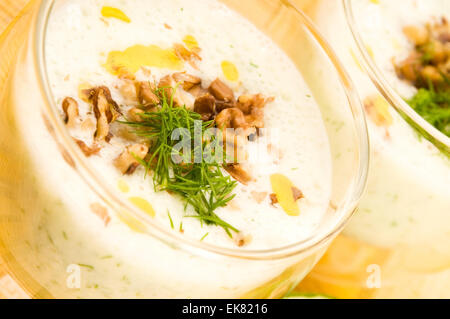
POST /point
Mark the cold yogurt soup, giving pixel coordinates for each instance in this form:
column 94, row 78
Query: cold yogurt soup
column 130, row 80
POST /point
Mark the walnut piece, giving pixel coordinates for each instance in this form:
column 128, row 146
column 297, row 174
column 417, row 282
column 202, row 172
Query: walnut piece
column 134, row 114
column 70, row 108
column 187, row 55
column 188, row 80
column 417, row 35
column 126, row 162
column 180, row 97
column 197, row 91
column 205, row 105
column 430, row 60
column 106, row 111
column 145, row 92
column 221, row 91
column 238, row 173
column 253, row 108
column 231, row 118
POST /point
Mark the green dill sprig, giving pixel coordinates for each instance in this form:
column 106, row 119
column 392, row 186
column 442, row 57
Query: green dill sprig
column 201, row 184
column 434, row 106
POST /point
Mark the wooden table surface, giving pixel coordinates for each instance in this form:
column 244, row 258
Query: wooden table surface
column 8, row 10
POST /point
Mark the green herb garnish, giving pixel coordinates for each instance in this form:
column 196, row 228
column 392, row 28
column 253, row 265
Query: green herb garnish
column 201, row 184
column 171, row 221
column 86, row 266
column 434, row 106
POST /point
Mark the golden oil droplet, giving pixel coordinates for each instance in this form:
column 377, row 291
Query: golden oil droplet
column 230, row 71
column 282, row 187
column 123, row 186
column 111, row 12
column 137, row 56
column 143, row 204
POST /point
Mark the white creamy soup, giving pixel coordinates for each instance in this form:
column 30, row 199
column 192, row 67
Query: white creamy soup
column 85, row 40
column 407, row 200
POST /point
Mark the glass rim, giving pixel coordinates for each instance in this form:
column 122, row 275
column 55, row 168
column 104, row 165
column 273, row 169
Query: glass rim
column 161, row 233
column 432, row 134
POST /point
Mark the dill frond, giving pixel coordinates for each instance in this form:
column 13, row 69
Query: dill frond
column 203, row 186
column 434, row 106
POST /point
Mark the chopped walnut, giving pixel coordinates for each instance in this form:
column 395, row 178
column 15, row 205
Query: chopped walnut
column 134, row 114
column 145, row 92
column 273, row 199
column 70, row 108
column 197, row 91
column 246, row 103
column 222, row 105
column 88, row 151
column 101, row 212
column 187, row 55
column 296, row 193
column 205, row 105
column 409, row 68
column 429, row 61
column 231, row 118
column 106, row 110
column 221, row 91
column 432, row 73
column 252, row 106
column 238, row 173
column 126, row 162
column 417, row 35
column 84, row 92
column 188, row 80
column 179, row 96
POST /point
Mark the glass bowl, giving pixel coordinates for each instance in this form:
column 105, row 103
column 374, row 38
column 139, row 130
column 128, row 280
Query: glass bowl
column 401, row 228
column 387, row 83
column 171, row 266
